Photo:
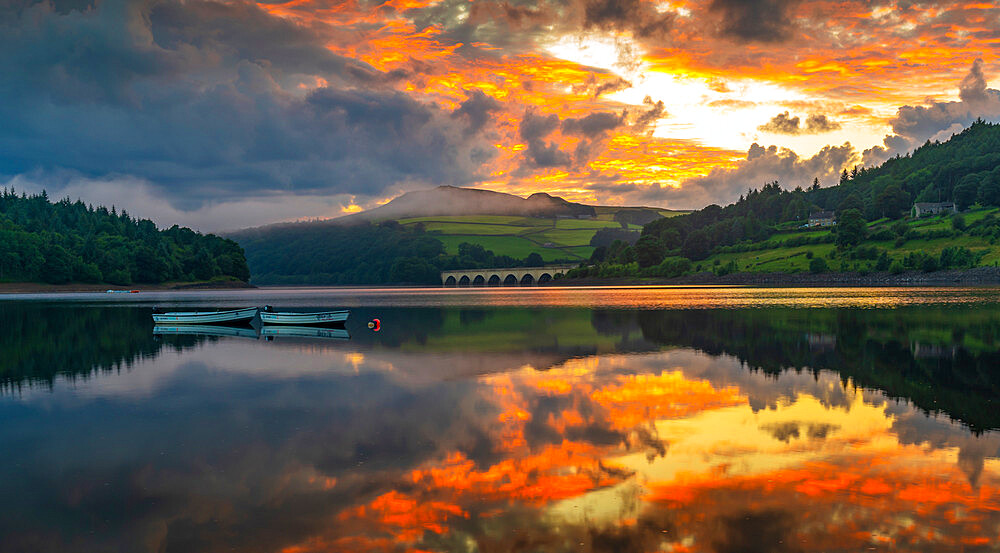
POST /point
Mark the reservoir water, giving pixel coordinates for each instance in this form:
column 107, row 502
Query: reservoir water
column 715, row 420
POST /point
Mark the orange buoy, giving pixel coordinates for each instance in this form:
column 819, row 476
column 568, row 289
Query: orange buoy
column 375, row 324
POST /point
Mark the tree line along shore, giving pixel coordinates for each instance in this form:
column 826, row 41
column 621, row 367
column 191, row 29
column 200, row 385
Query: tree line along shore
column 68, row 242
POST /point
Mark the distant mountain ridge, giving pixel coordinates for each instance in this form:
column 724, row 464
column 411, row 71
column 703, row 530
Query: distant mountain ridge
column 451, row 200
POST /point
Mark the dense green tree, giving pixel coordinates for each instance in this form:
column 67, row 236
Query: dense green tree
column 626, row 256
column 967, row 191
column 883, row 262
column 852, row 201
column 958, row 222
column 696, row 246
column 605, row 236
column 989, row 189
column 649, row 251
column 599, row 254
column 818, row 265
column 58, row 265
column 892, row 202
column 534, row 259
column 415, row 270
column 851, row 228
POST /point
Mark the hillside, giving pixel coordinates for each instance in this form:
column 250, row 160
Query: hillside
column 454, row 201
column 384, row 246
column 63, row 242
column 766, row 231
column 553, row 239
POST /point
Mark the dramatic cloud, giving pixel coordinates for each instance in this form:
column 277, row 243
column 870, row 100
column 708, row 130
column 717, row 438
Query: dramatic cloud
column 206, row 102
column 596, row 88
column 592, row 130
column 784, row 124
column 762, row 165
column 211, row 103
column 637, row 16
column 914, row 125
column 649, row 117
column 754, row 20
column 477, row 110
column 593, row 125
column 541, row 153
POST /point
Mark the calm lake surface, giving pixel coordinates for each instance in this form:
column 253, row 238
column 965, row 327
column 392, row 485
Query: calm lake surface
column 600, row 419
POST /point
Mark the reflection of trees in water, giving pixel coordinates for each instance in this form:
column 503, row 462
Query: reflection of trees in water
column 39, row 342
column 941, row 359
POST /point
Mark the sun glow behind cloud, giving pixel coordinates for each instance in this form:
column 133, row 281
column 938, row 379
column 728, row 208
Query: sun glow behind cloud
column 440, row 92
column 717, row 98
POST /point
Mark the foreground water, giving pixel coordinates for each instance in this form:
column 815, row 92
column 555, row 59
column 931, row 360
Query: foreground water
column 648, row 419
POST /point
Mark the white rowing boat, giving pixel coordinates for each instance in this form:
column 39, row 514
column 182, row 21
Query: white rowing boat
column 303, row 332
column 302, row 319
column 206, row 317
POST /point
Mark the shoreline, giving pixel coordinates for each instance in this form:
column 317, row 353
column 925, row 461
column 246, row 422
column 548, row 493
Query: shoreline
column 42, row 288
column 979, row 276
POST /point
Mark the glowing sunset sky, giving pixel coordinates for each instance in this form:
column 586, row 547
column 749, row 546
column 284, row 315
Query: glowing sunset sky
column 229, row 114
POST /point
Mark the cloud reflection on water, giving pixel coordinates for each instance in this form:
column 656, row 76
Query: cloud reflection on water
column 548, row 429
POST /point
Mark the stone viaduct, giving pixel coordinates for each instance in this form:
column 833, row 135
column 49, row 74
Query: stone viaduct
column 520, row 276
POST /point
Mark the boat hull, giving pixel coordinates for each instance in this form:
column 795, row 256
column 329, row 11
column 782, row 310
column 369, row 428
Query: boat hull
column 286, row 331
column 205, row 330
column 206, row 317
column 303, row 319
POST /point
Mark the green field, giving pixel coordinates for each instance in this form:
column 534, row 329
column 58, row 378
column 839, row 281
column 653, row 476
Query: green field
column 794, row 259
column 518, row 237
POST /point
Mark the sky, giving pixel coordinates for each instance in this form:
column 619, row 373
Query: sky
column 226, row 114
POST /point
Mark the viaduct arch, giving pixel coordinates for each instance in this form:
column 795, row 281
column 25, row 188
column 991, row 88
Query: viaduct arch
column 518, row 276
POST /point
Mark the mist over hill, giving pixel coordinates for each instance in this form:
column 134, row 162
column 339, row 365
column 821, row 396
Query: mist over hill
column 451, row 200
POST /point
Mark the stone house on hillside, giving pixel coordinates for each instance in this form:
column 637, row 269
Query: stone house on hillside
column 822, row 219
column 924, row 209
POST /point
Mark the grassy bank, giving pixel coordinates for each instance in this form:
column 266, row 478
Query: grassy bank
column 945, row 242
column 518, row 236
column 793, row 251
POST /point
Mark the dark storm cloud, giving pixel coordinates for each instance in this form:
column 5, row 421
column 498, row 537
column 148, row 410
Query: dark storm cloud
column 785, row 124
column 476, row 109
column 592, row 130
column 535, row 126
column 593, row 125
column 914, row 125
column 546, row 154
column 754, row 20
column 641, row 18
column 204, row 101
column 534, row 129
column 518, row 25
